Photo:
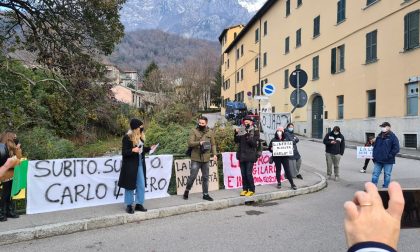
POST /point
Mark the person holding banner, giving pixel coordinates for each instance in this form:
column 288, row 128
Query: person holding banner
column 368, row 143
column 7, row 207
column 133, row 168
column 203, row 145
column 334, row 150
column 295, row 161
column 247, row 138
column 280, row 136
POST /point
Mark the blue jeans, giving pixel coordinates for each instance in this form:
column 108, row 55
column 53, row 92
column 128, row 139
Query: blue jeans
column 377, row 170
column 140, row 188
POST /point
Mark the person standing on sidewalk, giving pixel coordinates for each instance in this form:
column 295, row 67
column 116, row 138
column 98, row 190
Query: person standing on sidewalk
column 203, row 145
column 385, row 148
column 368, row 143
column 280, row 161
column 133, row 168
column 295, row 161
column 334, row 150
column 247, row 138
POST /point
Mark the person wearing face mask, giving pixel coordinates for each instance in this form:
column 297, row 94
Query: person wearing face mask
column 295, row 161
column 133, row 167
column 247, row 139
column 280, row 161
column 334, row 149
column 385, row 148
column 203, row 146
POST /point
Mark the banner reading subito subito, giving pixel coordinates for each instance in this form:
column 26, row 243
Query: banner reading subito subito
column 62, row 184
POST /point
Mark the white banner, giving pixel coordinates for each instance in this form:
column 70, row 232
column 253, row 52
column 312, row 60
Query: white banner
column 263, row 172
column 62, row 184
column 271, row 121
column 364, row 152
column 182, row 172
column 284, row 148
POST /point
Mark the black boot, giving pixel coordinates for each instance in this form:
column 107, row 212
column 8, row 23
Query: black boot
column 140, row 207
column 3, row 216
column 185, row 196
column 11, row 210
column 129, row 209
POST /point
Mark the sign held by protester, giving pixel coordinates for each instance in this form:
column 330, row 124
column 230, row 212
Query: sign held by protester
column 282, row 148
column 63, row 184
column 270, row 122
column 364, row 152
column 182, row 172
column 264, row 173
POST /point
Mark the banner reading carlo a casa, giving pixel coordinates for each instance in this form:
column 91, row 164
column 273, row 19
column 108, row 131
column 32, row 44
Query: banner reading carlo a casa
column 63, row 184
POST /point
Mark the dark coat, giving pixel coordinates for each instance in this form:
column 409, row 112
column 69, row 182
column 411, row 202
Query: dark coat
column 130, row 164
column 277, row 139
column 247, row 145
column 290, row 136
column 385, row 148
column 338, row 147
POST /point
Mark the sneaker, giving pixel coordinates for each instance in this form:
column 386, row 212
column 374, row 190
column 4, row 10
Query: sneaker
column 299, row 176
column 362, row 171
column 207, row 197
column 279, row 185
column 243, row 193
column 185, row 196
column 140, row 207
column 249, row 193
column 294, row 187
column 129, row 209
column 336, row 178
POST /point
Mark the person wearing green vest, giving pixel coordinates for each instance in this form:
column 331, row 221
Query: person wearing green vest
column 203, row 146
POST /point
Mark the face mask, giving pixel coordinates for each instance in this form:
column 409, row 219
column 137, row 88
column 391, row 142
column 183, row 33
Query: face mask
column 16, row 141
column 279, row 134
column 290, row 129
column 200, row 127
column 141, row 129
column 383, row 129
column 336, row 133
column 247, row 126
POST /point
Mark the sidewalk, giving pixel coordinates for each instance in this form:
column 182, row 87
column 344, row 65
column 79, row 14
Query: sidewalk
column 29, row 227
column 404, row 152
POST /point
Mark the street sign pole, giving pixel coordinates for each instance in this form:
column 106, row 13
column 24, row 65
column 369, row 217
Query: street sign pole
column 297, row 77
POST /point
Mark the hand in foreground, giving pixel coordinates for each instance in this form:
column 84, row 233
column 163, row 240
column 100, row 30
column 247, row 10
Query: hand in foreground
column 135, row 150
column 367, row 220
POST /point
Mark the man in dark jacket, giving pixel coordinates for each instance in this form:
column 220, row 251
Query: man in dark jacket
column 334, row 149
column 203, row 145
column 247, row 139
column 385, row 148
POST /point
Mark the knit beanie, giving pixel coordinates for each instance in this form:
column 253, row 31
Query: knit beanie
column 135, row 123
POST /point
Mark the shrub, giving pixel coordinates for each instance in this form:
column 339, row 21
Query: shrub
column 172, row 138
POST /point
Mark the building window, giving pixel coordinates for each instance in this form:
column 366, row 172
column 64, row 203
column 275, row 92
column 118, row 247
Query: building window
column 237, row 53
column 371, row 46
column 317, row 27
column 242, row 50
column 369, row 2
column 265, row 28
column 297, row 66
column 315, row 68
column 265, row 81
column 412, row 99
column 286, row 78
column 256, row 64
column 234, row 35
column 299, row 3
column 237, row 77
column 227, row 64
column 371, row 95
column 340, row 107
column 341, row 11
column 257, row 35
column 337, row 59
column 265, row 59
column 286, row 45
column 242, row 74
column 411, row 30
column 298, row 37
column 410, row 140
column 287, row 8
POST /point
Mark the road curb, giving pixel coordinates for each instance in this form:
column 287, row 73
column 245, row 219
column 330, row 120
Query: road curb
column 45, row 231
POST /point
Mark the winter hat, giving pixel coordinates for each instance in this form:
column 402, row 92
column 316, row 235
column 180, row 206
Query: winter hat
column 248, row 118
column 280, row 129
column 135, row 123
column 385, row 124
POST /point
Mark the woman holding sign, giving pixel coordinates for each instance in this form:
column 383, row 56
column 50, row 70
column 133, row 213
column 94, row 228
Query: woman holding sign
column 133, row 168
column 280, row 159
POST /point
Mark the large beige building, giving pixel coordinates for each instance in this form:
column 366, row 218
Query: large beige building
column 362, row 59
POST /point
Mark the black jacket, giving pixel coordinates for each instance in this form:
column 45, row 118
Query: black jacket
column 336, row 148
column 277, row 139
column 130, row 165
column 247, row 145
column 291, row 137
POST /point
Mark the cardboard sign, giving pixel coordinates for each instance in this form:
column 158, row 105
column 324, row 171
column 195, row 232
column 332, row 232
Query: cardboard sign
column 364, row 152
column 283, row 148
column 182, row 173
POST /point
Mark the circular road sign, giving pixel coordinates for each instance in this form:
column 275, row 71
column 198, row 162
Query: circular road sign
column 298, row 77
column 249, row 93
column 303, row 98
column 269, row 89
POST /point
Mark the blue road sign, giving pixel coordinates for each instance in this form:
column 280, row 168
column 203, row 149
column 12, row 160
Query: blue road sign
column 298, row 78
column 269, row 89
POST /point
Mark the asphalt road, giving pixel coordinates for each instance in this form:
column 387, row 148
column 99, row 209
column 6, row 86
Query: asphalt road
column 311, row 222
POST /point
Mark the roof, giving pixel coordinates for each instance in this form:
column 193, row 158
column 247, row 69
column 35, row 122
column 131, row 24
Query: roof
column 266, row 7
column 227, row 29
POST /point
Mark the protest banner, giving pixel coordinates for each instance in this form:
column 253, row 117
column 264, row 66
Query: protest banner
column 284, row 148
column 271, row 121
column 364, row 152
column 182, row 172
column 62, row 184
column 263, row 172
